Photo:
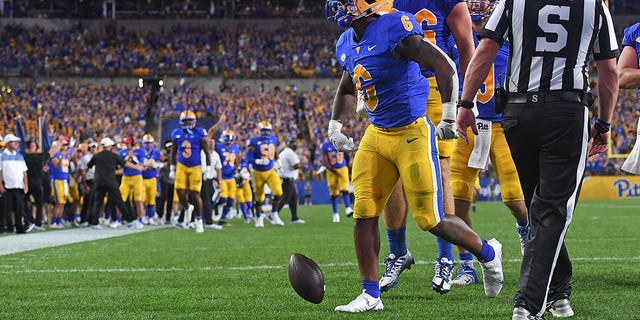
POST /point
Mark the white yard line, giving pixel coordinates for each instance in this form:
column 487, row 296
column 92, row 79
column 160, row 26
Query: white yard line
column 38, row 240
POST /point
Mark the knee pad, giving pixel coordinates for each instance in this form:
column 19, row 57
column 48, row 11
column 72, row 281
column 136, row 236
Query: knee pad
column 365, row 209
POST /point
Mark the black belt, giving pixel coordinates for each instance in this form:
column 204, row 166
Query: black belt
column 287, row 179
column 542, row 97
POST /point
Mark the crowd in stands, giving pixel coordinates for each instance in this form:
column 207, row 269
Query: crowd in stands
column 90, row 111
column 245, row 51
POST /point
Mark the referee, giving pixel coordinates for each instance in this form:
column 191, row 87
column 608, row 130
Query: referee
column 288, row 165
column 546, row 124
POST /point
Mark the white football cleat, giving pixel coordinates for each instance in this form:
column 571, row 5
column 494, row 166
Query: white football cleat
column 274, row 218
column 394, row 267
column 336, row 217
column 348, row 211
column 492, row 277
column 260, row 221
column 364, row 302
column 199, row 226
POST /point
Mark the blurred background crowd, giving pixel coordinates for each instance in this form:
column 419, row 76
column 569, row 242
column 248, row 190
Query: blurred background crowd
column 248, row 48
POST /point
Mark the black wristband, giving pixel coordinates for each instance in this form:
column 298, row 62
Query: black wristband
column 601, row 126
column 465, row 104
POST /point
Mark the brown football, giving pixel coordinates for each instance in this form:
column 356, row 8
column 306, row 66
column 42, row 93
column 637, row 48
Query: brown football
column 306, row 278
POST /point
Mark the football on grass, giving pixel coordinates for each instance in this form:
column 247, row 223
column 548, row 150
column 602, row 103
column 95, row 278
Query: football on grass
column 306, row 278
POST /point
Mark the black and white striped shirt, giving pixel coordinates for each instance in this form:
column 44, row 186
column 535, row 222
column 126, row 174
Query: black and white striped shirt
column 551, row 41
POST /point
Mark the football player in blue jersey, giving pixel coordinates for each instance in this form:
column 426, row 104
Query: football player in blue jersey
column 131, row 184
column 468, row 159
column 439, row 20
column 337, row 179
column 381, row 54
column 153, row 160
column 629, row 78
column 261, row 153
column 188, row 141
column 229, row 155
column 59, row 169
column 244, row 192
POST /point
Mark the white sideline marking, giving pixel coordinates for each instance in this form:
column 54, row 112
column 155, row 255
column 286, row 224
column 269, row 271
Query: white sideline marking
column 245, row 268
column 38, row 240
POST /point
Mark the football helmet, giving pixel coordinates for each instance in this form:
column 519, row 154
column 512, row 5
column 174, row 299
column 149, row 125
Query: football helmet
column 228, row 137
column 187, row 119
column 480, row 9
column 148, row 141
column 344, row 12
column 265, row 129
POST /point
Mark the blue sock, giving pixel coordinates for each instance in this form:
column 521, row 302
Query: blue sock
column 140, row 220
column 56, row 221
column 76, row 216
column 334, row 205
column 119, row 218
column 397, row 241
column 347, row 200
column 465, row 256
column 225, row 212
column 372, row 288
column 523, row 223
column 445, row 248
column 487, row 253
column 150, row 212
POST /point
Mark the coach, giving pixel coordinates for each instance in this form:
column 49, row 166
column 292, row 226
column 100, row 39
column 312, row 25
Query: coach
column 288, row 165
column 546, row 124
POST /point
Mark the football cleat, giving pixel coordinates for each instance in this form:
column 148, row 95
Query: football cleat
column 520, row 313
column 274, row 218
column 523, row 234
column 348, row 212
column 199, row 226
column 492, row 277
column 441, row 282
column 260, row 221
column 466, row 274
column 394, row 267
column 561, row 307
column 336, row 218
column 364, row 302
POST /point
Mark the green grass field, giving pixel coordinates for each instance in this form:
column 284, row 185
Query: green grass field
column 240, row 272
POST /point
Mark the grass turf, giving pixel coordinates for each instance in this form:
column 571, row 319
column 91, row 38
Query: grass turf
column 240, row 272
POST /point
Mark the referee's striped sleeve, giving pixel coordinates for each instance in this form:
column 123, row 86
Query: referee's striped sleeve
column 606, row 43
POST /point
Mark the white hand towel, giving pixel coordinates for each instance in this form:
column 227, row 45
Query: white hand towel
column 479, row 157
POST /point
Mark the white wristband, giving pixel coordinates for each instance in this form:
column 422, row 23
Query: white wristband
column 448, row 111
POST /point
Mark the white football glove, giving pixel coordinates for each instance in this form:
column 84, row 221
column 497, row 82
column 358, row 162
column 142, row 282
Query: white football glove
column 338, row 139
column 172, row 171
column 447, row 128
column 262, row 161
column 361, row 109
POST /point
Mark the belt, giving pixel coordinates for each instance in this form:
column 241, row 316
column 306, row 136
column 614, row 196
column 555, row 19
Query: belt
column 418, row 121
column 541, row 97
column 288, row 179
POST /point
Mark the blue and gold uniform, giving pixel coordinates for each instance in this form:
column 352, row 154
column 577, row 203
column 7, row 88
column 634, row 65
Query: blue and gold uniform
column 264, row 147
column 337, row 171
column 150, row 175
column 632, row 39
column 132, row 178
column 463, row 176
column 400, row 142
column 244, row 194
column 228, row 156
column 60, row 179
column 188, row 168
column 432, row 15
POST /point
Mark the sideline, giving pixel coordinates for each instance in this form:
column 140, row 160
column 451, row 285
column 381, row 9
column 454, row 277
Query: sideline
column 53, row 238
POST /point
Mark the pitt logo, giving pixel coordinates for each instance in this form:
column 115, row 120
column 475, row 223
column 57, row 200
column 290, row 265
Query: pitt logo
column 482, row 126
column 534, row 98
column 626, row 189
column 358, row 50
column 343, row 57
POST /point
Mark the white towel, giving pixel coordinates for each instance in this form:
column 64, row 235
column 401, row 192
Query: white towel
column 632, row 164
column 479, row 157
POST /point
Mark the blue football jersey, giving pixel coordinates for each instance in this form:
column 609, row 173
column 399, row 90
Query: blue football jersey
column 336, row 158
column 154, row 155
column 228, row 156
column 188, row 144
column 262, row 148
column 431, row 15
column 632, row 38
column 496, row 78
column 393, row 89
column 138, row 158
column 62, row 172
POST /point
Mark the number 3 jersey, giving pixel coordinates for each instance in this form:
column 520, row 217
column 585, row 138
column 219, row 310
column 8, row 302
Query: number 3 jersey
column 393, row 90
column 188, row 144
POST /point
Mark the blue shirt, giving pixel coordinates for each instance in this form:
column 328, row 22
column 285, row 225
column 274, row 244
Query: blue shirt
column 228, row 156
column 154, row 155
column 137, row 158
column 632, row 38
column 336, row 158
column 393, row 89
column 262, row 148
column 188, row 143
